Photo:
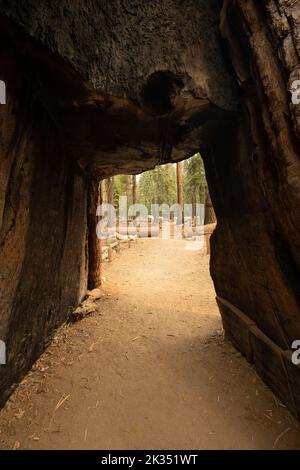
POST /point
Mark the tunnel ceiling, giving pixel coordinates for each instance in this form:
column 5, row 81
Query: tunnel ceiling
column 126, row 94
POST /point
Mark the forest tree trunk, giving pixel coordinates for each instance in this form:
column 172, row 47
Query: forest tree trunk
column 209, row 214
column 133, row 189
column 94, row 245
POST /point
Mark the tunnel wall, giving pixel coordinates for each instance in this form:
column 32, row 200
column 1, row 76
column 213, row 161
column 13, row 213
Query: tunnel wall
column 254, row 174
column 42, row 233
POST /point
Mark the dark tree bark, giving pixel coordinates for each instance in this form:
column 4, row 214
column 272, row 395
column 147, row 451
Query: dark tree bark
column 133, row 189
column 94, row 245
column 209, row 213
column 101, row 192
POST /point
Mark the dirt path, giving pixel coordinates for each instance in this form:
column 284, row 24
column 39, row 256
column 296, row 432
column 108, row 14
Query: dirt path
column 150, row 370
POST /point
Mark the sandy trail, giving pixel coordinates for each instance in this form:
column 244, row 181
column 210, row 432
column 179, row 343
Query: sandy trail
column 150, row 369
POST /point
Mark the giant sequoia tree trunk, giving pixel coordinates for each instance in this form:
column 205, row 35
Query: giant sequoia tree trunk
column 255, row 190
column 42, row 233
column 89, row 98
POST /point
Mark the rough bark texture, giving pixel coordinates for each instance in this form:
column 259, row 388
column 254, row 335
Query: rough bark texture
column 255, row 191
column 209, row 213
column 43, row 230
column 97, row 88
column 94, row 244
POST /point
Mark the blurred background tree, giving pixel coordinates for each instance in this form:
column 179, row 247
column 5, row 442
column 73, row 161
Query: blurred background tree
column 194, row 181
column 158, row 186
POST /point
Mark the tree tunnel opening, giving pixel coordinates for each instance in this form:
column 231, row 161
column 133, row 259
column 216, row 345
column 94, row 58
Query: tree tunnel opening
column 105, row 113
column 170, row 192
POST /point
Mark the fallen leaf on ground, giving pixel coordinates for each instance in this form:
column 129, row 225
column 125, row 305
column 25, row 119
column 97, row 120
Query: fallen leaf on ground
column 16, row 445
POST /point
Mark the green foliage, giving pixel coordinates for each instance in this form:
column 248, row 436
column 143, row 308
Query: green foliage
column 158, row 186
column 194, row 181
column 122, row 187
